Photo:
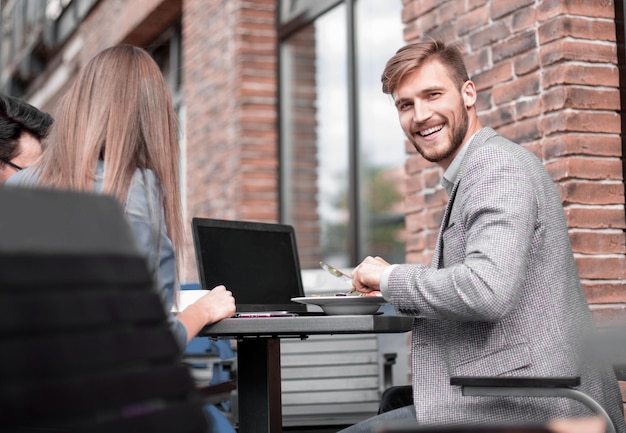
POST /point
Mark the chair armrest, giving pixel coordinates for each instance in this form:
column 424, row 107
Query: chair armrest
column 516, row 382
column 530, row 387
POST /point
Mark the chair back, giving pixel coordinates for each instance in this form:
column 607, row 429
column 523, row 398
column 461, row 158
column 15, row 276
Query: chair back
column 84, row 341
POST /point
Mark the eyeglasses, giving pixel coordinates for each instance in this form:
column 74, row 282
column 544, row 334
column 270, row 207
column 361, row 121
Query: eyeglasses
column 9, row 163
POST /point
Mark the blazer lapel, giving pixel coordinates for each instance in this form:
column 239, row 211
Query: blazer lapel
column 481, row 136
column 438, row 253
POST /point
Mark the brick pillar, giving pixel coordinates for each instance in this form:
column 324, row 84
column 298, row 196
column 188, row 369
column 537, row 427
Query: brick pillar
column 229, row 82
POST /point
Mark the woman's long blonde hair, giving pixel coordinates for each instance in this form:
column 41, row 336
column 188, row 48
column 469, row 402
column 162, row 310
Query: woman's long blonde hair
column 118, row 109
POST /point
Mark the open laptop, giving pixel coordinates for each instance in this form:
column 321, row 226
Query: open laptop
column 258, row 262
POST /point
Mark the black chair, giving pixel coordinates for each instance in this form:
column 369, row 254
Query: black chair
column 84, row 342
column 395, row 397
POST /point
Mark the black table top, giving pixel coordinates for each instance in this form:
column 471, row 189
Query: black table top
column 308, row 325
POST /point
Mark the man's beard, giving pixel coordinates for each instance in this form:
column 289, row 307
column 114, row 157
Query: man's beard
column 458, row 134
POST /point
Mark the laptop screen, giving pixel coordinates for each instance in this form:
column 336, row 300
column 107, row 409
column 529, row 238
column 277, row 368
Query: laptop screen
column 258, row 262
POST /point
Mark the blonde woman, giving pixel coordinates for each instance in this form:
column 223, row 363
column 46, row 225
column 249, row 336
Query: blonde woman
column 116, row 133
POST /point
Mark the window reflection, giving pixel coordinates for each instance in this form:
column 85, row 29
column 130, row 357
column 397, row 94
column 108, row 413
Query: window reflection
column 316, row 178
column 332, row 135
column 382, row 154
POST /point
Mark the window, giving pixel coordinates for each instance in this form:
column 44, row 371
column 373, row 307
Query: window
column 342, row 151
column 31, row 32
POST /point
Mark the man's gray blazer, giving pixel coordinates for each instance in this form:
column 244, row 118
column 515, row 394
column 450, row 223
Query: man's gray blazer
column 502, row 296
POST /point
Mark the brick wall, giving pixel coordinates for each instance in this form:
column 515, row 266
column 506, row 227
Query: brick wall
column 136, row 22
column 547, row 76
column 230, row 73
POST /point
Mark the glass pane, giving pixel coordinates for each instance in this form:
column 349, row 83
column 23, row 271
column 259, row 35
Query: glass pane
column 381, row 147
column 315, row 138
column 333, row 181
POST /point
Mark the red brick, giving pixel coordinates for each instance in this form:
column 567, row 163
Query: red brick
column 585, row 168
column 582, row 144
column 523, row 18
column 500, row 73
column 522, row 131
column 502, row 8
column 528, row 85
column 425, row 165
column 413, row 165
column 415, row 184
column 472, row 20
column 585, row 98
column 534, row 147
column 432, row 217
column 412, row 32
column 582, row 51
column 602, row 292
column 589, row 74
column 586, row 8
column 498, row 118
column 415, row 222
column 595, row 217
column 414, row 203
column 448, row 11
column 576, row 27
column 490, row 34
column 483, row 103
column 581, row 121
column 595, row 193
column 515, row 45
column 526, row 63
column 414, row 10
column 436, row 199
column 428, row 22
column 528, row 107
column 432, row 179
column 598, row 242
column 477, row 61
column 431, row 239
column 602, row 267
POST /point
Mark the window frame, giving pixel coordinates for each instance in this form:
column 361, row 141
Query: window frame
column 291, row 20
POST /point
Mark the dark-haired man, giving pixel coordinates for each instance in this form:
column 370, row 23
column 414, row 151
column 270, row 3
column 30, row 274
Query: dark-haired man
column 22, row 128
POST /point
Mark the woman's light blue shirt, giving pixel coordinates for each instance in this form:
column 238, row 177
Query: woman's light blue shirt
column 146, row 217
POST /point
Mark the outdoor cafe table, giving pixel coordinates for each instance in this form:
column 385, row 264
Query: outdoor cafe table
column 258, row 356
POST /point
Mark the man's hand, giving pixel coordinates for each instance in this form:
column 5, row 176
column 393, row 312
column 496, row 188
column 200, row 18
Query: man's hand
column 366, row 276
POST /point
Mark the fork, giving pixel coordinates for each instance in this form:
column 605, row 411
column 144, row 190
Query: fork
column 337, row 273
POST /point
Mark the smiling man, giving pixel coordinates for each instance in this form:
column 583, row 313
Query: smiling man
column 434, row 111
column 22, row 128
column 502, row 296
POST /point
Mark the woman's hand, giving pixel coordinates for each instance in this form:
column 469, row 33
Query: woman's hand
column 216, row 305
